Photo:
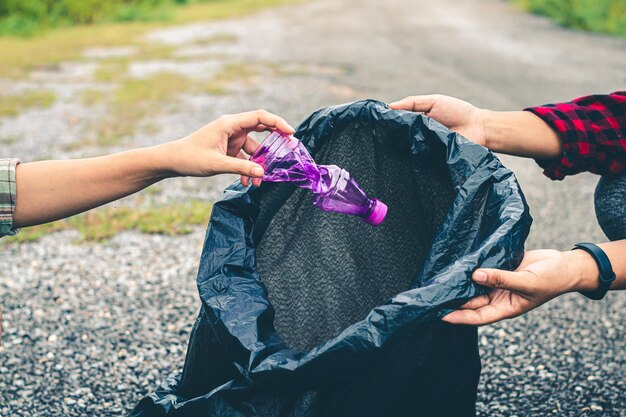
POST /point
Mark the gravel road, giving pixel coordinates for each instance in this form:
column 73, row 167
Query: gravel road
column 91, row 328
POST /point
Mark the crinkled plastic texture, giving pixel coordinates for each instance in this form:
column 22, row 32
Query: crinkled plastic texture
column 326, row 323
column 285, row 159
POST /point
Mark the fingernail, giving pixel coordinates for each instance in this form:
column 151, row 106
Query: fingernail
column 257, row 171
column 480, row 276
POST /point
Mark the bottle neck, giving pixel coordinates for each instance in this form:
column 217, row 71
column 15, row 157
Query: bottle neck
column 371, row 204
column 376, row 212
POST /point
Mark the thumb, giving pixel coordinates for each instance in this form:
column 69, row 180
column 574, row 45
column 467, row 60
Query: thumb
column 243, row 167
column 501, row 279
column 404, row 104
column 415, row 103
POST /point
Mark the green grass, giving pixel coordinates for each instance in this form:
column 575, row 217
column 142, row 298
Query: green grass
column 29, row 17
column 134, row 99
column 114, row 68
column 90, row 96
column 104, row 223
column 110, row 71
column 19, row 55
column 219, row 38
column 606, row 16
column 14, row 104
column 8, row 140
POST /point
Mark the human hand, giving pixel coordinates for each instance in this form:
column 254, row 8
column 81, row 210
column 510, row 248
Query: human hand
column 457, row 115
column 542, row 276
column 223, row 146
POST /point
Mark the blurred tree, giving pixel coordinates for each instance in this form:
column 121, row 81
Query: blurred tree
column 607, row 16
column 24, row 17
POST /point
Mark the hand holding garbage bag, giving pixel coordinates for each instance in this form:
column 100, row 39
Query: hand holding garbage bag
column 588, row 129
column 542, row 275
column 518, row 133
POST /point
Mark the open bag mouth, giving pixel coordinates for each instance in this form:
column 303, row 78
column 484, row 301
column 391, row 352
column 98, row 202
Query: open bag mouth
column 325, row 271
column 311, row 313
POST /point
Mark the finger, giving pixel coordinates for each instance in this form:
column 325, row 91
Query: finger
column 250, row 145
column 476, row 302
column 404, row 104
column 257, row 182
column 240, row 166
column 415, row 103
column 263, row 128
column 245, row 180
column 251, row 120
column 479, row 317
column 520, row 282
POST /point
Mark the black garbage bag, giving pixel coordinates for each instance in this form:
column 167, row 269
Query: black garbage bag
column 309, row 313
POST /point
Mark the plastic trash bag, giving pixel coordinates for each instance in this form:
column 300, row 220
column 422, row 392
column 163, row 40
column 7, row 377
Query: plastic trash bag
column 309, row 313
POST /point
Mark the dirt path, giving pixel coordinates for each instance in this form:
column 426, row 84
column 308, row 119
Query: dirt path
column 81, row 337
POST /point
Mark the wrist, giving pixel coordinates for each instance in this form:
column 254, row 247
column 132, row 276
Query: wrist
column 147, row 165
column 485, row 118
column 161, row 160
column 520, row 133
column 582, row 271
column 495, row 138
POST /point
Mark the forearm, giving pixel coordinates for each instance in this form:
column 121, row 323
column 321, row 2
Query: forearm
column 520, row 133
column 584, row 270
column 52, row 190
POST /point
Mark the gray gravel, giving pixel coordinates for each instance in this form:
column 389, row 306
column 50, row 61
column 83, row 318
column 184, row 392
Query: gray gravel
column 100, row 323
column 91, row 328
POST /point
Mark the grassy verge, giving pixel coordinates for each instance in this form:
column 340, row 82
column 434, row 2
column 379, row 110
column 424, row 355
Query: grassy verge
column 133, row 100
column 11, row 105
column 104, row 223
column 136, row 98
column 28, row 17
column 21, row 55
column 606, row 16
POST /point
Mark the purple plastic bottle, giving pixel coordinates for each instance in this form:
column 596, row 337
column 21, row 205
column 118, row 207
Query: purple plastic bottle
column 285, row 159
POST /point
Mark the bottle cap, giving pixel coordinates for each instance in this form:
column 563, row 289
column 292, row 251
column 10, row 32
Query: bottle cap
column 379, row 211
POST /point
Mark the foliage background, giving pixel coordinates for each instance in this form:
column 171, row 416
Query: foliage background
column 27, row 17
column 607, row 16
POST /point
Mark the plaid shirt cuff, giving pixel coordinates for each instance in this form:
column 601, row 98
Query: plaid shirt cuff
column 593, row 132
column 7, row 195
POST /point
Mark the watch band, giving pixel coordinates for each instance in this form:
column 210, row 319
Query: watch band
column 607, row 276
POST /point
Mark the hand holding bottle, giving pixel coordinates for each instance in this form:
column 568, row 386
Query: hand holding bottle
column 285, row 159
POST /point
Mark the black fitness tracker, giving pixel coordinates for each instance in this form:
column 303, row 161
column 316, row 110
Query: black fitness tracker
column 607, row 276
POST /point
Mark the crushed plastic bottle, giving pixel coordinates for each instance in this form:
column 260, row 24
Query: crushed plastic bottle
column 285, row 159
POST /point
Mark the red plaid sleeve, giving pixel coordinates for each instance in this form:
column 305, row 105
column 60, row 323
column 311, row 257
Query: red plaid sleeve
column 593, row 132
